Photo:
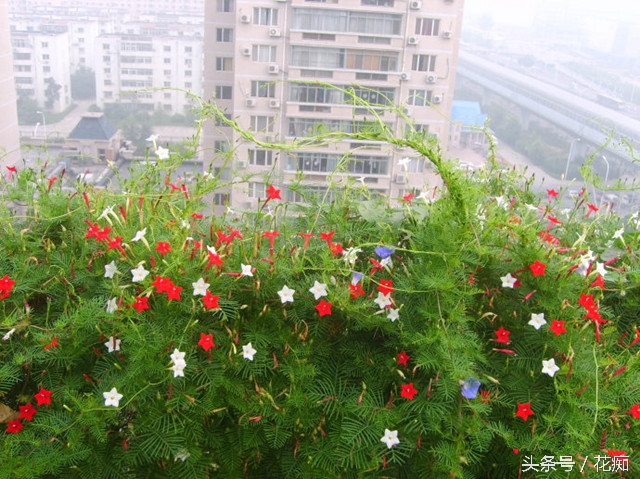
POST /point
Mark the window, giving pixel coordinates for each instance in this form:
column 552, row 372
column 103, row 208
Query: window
column 224, row 64
column 219, row 122
column 80, row 40
column 221, row 146
column 262, row 124
column 188, row 63
column 377, row 40
column 428, row 26
column 188, row 84
column 45, row 44
column 107, row 82
column 257, row 190
column 263, row 53
column 377, row 3
column 419, row 97
column 225, row 5
column 167, row 96
column 106, row 46
column 221, row 199
column 224, row 35
column 45, row 57
column 265, row 16
column 263, row 89
column 167, row 84
column 345, row 21
column 167, row 73
column 224, row 92
column 46, row 69
column 188, row 49
column 312, row 162
column 167, row 48
column 423, row 63
column 187, row 73
column 167, row 60
column 261, row 157
column 310, row 93
column 108, row 94
column 342, row 58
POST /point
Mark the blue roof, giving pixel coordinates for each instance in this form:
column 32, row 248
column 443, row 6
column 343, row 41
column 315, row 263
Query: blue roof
column 468, row 113
column 93, row 128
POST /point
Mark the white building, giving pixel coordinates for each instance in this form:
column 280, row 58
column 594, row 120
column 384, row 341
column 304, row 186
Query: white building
column 41, row 61
column 391, row 51
column 9, row 132
column 155, row 71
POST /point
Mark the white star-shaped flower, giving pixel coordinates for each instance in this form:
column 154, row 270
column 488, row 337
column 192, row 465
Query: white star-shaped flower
column 390, row 438
column 177, row 356
column 501, row 201
column 139, row 235
column 112, row 398
column 508, row 281
column 182, row 456
column 350, row 255
column 139, row 273
column 537, row 320
column 112, row 344
column 200, row 287
column 112, row 305
column 318, row 290
column 246, row 270
column 549, row 367
column 163, row 153
column 386, row 262
column 286, row 294
column 383, row 300
column 178, row 369
column 618, row 233
column 110, row 269
column 153, row 138
column 107, row 211
column 393, row 314
column 404, row 162
column 248, row 352
column 600, row 269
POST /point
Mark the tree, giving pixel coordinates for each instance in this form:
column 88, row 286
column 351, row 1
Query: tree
column 83, row 84
column 27, row 110
column 52, row 93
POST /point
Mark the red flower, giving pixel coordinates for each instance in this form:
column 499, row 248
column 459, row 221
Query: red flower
column 14, row 427
column 593, row 208
column 407, row 198
column 210, row 301
column 328, row 237
column 93, row 231
column 408, row 391
column 403, row 358
column 336, row 249
column 586, row 301
column 524, row 411
column 27, row 412
column 537, row 268
column 557, row 327
column 162, row 285
column 502, row 335
column 598, row 282
column 141, row 303
column 206, row 341
column 163, row 247
column 52, row 344
column 386, row 286
column 174, row 292
column 616, row 452
column 323, row 307
column 271, row 235
column 552, row 193
column 43, row 397
column 635, row 411
column 115, row 243
column 214, row 259
column 306, row 237
column 6, row 284
column 103, row 234
column 273, row 193
column 356, row 290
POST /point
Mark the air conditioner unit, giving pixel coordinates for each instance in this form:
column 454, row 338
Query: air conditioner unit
column 415, row 5
column 274, row 103
column 413, row 40
column 251, row 102
column 400, row 179
column 274, row 69
column 246, row 51
column 404, row 76
column 274, row 32
column 245, row 18
column 431, row 78
column 436, row 99
column 242, row 164
column 447, row 34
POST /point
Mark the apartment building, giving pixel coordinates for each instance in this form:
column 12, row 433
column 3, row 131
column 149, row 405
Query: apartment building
column 151, row 67
column 130, row 7
column 41, row 64
column 9, row 132
column 268, row 62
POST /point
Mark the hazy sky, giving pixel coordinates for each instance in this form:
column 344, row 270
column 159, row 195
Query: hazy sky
column 520, row 12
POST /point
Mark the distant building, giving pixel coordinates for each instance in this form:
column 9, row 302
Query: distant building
column 41, row 64
column 131, row 7
column 266, row 64
column 150, row 68
column 93, row 139
column 467, row 123
column 9, row 132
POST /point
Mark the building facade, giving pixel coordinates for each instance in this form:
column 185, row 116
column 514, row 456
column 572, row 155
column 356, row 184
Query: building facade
column 269, row 64
column 9, row 132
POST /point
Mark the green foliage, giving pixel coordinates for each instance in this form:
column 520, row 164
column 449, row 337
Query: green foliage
column 83, row 84
column 331, row 371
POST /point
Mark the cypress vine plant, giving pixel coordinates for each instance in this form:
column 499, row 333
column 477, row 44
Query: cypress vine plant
column 485, row 332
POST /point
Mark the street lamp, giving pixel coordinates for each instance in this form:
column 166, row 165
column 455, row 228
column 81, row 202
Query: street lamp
column 44, row 125
column 606, row 175
column 570, row 157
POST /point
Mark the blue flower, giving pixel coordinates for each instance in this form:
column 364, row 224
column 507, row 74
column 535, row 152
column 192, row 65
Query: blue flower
column 384, row 252
column 470, row 388
column 355, row 279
